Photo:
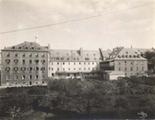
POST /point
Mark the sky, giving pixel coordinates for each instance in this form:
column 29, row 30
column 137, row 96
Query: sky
column 111, row 23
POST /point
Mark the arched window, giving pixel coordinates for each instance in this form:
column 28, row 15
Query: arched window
column 7, row 69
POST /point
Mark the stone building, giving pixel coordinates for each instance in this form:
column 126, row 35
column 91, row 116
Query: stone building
column 24, row 64
column 75, row 63
column 127, row 60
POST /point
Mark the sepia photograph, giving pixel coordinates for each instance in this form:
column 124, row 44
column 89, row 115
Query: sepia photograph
column 77, row 59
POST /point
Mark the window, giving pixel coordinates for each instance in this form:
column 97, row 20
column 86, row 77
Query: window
column 7, row 61
column 52, row 74
column 15, row 69
column 37, row 68
column 30, row 69
column 23, row 77
column 7, row 69
column 37, row 55
column 36, row 61
column 37, row 76
column 8, row 55
column 23, row 69
column 16, row 55
column 68, row 68
column 43, row 61
column 125, row 61
column 57, row 63
column 119, row 69
column 43, row 55
column 63, row 69
column 68, row 63
column 79, row 63
column 137, row 68
column 30, row 55
column 23, row 62
column 57, row 69
column 63, row 63
column 125, row 69
column 92, row 63
column 131, row 69
column 30, row 77
column 43, row 69
column 30, row 61
column 16, row 61
column 74, row 63
column 142, row 68
column 23, row 55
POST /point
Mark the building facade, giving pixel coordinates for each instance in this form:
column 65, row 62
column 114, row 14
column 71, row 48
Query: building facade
column 24, row 64
column 127, row 60
column 74, row 63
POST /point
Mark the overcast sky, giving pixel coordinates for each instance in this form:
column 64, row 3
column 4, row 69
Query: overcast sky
column 117, row 23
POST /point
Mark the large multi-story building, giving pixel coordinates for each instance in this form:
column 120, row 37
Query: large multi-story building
column 127, row 60
column 73, row 63
column 24, row 64
column 29, row 63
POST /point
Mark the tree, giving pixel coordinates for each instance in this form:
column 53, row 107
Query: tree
column 150, row 56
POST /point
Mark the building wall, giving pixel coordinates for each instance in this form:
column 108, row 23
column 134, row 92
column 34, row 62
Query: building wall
column 24, row 67
column 72, row 67
column 131, row 67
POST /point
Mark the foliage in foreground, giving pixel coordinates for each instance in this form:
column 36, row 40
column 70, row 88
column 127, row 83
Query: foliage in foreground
column 122, row 99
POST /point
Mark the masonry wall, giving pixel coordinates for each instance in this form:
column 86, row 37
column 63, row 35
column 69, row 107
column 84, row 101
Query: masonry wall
column 24, row 67
column 131, row 67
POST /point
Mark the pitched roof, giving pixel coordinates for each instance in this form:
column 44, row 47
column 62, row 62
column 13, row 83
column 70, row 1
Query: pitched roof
column 127, row 53
column 33, row 46
column 75, row 55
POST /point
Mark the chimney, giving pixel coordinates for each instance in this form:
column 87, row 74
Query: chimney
column 81, row 52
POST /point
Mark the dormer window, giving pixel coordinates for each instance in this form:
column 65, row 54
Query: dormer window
column 26, row 47
column 13, row 47
column 19, row 48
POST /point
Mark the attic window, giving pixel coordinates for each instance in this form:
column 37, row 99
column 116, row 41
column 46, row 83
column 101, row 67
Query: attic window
column 130, row 56
column 13, row 47
column 19, row 48
column 32, row 48
column 26, row 47
column 126, row 52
